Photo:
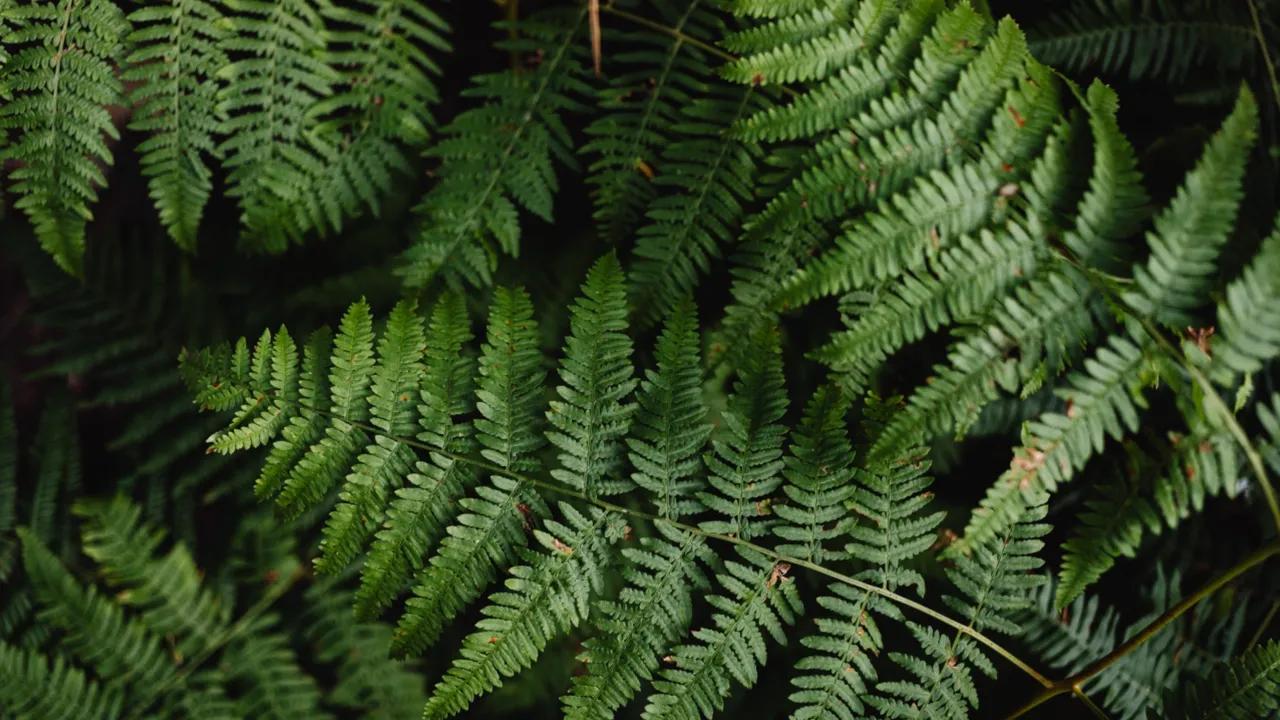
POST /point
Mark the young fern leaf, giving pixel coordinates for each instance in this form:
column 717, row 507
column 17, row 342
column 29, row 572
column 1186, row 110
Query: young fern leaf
column 670, row 428
column 177, row 53
column 497, row 515
column 1189, row 233
column 641, row 110
column 387, row 460
column 57, row 86
column 746, row 463
column 548, row 597
column 833, row 681
column 590, row 417
column 420, row 512
column 31, row 686
column 498, row 157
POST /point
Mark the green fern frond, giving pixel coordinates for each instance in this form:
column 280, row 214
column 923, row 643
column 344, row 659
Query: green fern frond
column 670, row 428
column 651, row 612
column 818, row 472
column 1248, row 325
column 498, row 158
column 167, row 590
column 497, row 516
column 1247, row 687
column 705, row 178
column 833, row 682
column 1189, row 233
column 418, row 515
column 995, row 582
column 276, row 78
column 33, row 687
column 548, row 597
column 758, row 599
column 641, row 109
column 57, row 84
column 385, row 462
column 591, row 415
column 96, row 630
column 177, row 53
column 746, row 463
column 809, row 44
column 273, row 684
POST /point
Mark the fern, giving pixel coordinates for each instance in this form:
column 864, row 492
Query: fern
column 498, row 157
column 1248, row 686
column 58, row 83
column 178, row 51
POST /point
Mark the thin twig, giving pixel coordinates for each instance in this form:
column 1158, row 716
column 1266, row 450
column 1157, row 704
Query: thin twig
column 1266, row 53
column 1262, row 628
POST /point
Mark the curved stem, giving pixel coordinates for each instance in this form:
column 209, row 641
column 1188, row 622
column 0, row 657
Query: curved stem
column 1266, row 53
column 1073, row 683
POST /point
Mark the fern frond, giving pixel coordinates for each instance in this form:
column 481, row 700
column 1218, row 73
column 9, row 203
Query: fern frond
column 497, row 515
column 758, row 599
column 418, row 515
column 273, row 683
column 818, row 471
column 652, row 611
column 705, row 178
column 498, row 157
column 385, row 462
column 58, row 83
column 746, row 463
column 1248, row 325
column 809, row 44
column 177, row 53
column 96, row 630
column 591, row 415
column 32, row 687
column 167, row 590
column 548, row 597
column 994, row 581
column 1189, row 233
column 276, row 78
column 1249, row 686
column 670, row 428
column 833, row 682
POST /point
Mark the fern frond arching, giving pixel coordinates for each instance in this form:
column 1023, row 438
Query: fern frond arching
column 746, row 463
column 591, row 415
column 417, row 516
column 176, row 58
column 499, row 157
column 269, row 88
column 1248, row 324
column 547, row 597
column 57, row 85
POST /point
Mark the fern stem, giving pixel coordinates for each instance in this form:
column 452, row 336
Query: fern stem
column 1266, row 53
column 1071, row 684
column 560, row 488
column 1262, row 627
column 676, row 33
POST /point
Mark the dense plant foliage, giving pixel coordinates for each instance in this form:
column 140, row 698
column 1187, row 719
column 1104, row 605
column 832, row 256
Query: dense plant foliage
column 819, row 359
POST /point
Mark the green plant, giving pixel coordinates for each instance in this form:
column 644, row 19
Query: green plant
column 828, row 250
